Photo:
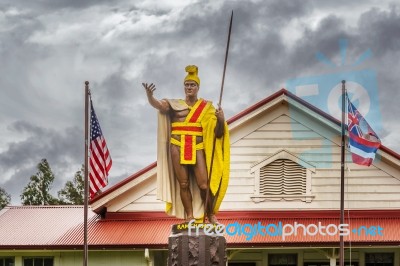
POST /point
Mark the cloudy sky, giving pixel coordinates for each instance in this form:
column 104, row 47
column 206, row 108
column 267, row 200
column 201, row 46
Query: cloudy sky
column 48, row 48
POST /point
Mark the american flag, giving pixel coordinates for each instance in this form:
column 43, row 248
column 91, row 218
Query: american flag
column 100, row 159
column 364, row 142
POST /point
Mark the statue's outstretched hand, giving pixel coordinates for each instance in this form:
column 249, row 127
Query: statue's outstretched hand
column 162, row 105
column 149, row 89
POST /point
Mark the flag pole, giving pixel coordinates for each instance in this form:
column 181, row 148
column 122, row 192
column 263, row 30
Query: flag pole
column 342, row 161
column 85, row 216
column 219, row 105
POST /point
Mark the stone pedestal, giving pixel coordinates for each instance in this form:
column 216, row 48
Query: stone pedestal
column 196, row 247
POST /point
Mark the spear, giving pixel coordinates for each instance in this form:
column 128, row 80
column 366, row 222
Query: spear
column 219, row 105
column 226, row 60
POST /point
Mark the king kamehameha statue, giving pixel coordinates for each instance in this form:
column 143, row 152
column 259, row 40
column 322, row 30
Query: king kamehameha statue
column 193, row 140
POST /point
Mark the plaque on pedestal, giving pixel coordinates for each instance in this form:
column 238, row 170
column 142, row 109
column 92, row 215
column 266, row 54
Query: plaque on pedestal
column 196, row 244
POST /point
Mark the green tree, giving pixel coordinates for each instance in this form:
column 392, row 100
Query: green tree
column 73, row 191
column 5, row 198
column 37, row 192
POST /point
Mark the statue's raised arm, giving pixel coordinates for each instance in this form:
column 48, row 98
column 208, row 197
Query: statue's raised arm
column 161, row 105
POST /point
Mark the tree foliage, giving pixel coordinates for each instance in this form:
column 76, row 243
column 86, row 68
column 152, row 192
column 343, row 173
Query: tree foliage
column 5, row 198
column 37, row 192
column 73, row 191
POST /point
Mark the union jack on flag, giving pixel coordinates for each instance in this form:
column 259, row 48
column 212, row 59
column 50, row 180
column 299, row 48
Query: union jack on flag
column 100, row 160
column 363, row 141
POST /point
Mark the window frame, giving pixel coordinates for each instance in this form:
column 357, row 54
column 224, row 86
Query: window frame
column 37, row 257
column 296, row 258
column 7, row 257
column 377, row 263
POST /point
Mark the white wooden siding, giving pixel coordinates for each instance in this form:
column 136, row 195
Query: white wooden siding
column 365, row 187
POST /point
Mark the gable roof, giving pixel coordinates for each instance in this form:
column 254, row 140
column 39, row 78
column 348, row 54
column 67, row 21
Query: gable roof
column 278, row 97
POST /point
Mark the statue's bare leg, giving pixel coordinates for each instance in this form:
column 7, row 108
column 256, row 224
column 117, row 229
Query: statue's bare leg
column 182, row 175
column 200, row 171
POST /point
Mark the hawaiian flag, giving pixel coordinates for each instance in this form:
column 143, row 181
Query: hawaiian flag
column 364, row 142
column 100, row 160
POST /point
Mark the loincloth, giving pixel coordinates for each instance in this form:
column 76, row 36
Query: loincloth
column 188, row 133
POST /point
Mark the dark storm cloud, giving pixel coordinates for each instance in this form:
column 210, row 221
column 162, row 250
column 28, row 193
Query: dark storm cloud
column 58, row 147
column 18, row 59
column 19, row 179
column 40, row 5
column 114, row 89
column 62, row 149
column 380, row 31
column 256, row 46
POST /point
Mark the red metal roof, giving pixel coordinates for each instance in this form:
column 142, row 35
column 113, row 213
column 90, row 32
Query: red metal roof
column 61, row 227
column 235, row 118
column 38, row 225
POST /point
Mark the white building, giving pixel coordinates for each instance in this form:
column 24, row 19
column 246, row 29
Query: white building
column 285, row 171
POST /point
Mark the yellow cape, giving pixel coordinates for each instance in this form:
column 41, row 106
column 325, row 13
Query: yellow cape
column 167, row 184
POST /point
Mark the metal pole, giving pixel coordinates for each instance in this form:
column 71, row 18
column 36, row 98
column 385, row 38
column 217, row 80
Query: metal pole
column 342, row 158
column 85, row 216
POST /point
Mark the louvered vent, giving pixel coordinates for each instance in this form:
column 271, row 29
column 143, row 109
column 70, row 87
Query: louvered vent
column 282, row 177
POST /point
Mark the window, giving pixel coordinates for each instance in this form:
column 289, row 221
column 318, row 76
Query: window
column 379, row 259
column 7, row 261
column 42, row 261
column 241, row 264
column 282, row 259
column 328, row 264
column 282, row 176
